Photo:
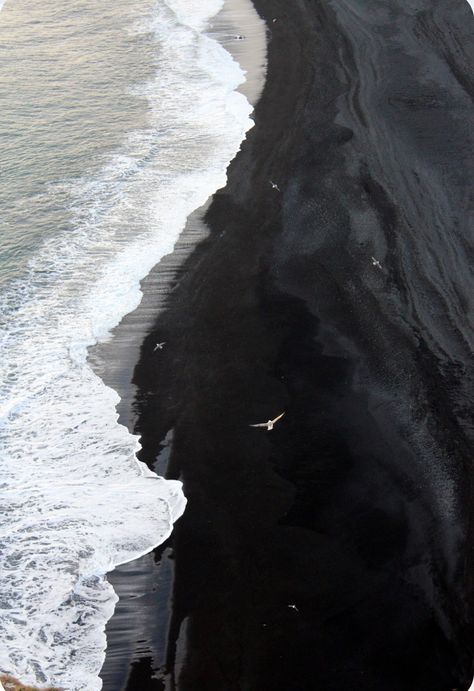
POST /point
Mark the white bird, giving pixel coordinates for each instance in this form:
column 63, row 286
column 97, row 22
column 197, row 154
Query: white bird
column 376, row 263
column 294, row 607
column 270, row 424
column 274, row 186
column 159, row 346
column 274, row 19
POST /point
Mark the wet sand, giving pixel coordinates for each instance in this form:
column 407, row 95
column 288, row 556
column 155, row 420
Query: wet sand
column 137, row 633
column 336, row 551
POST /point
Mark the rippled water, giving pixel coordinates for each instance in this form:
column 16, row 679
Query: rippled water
column 118, row 119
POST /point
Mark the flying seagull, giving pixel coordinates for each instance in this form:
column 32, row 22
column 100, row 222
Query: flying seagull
column 159, row 346
column 270, row 424
column 274, row 186
column 294, row 607
column 375, row 262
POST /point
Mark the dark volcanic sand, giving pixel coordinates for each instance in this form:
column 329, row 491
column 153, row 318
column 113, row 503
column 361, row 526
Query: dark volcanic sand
column 358, row 507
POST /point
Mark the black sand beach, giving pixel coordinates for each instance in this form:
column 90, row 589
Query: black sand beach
column 334, row 553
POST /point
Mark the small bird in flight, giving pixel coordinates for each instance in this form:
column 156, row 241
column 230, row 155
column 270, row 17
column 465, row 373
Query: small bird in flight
column 159, row 346
column 294, row 607
column 274, row 186
column 375, row 262
column 270, row 424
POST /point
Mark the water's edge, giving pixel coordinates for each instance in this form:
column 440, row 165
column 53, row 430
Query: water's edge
column 77, row 501
column 137, row 632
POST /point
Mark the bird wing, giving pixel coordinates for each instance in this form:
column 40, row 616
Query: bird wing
column 278, row 418
column 260, row 424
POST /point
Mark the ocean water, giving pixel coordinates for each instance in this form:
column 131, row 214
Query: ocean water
column 118, row 120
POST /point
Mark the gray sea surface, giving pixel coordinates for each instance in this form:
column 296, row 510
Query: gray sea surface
column 66, row 78
column 118, row 120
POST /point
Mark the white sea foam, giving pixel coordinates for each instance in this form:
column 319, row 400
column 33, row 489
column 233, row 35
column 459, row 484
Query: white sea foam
column 74, row 500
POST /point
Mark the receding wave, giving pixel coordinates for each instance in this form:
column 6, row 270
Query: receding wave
column 75, row 502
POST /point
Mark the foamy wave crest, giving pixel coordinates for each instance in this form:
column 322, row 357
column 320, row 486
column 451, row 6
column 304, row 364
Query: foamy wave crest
column 75, row 502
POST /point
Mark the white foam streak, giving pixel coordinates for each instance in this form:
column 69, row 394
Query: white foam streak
column 194, row 14
column 75, row 502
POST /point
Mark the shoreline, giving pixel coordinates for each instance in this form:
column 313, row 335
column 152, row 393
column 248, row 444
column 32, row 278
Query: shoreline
column 114, row 360
column 144, row 586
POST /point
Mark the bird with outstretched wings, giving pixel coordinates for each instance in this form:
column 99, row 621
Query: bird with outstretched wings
column 270, row 424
